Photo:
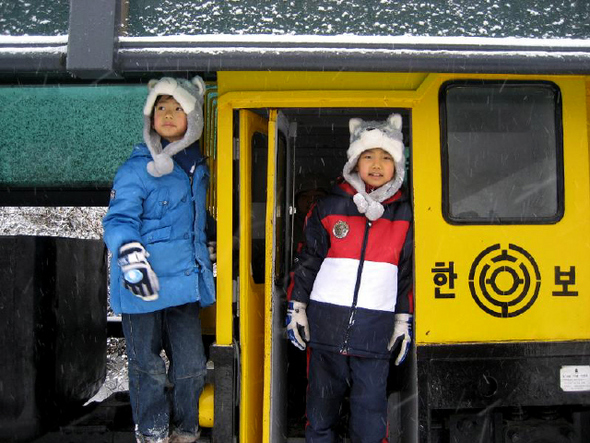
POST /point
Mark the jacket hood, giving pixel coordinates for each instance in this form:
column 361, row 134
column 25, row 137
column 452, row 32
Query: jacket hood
column 189, row 94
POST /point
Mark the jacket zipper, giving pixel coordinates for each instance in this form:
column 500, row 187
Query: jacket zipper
column 357, row 286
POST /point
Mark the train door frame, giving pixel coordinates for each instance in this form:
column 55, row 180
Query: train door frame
column 251, row 295
column 275, row 298
column 257, row 338
column 237, row 92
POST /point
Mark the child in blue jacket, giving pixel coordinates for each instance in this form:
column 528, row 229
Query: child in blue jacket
column 161, row 272
column 351, row 294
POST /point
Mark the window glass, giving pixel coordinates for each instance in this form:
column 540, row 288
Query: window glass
column 492, row 18
column 259, row 168
column 281, row 208
column 68, row 136
column 34, row 17
column 502, row 151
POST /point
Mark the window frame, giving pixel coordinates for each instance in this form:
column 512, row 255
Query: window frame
column 445, row 171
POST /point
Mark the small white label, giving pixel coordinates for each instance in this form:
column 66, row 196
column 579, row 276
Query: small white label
column 574, row 378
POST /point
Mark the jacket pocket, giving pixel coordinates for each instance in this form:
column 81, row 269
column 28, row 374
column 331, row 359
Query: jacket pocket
column 157, row 204
column 157, row 235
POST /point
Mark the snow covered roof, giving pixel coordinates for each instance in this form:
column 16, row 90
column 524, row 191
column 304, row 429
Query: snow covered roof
column 473, row 18
column 540, row 19
column 525, row 36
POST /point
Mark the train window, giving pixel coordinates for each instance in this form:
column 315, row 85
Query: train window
column 258, row 168
column 502, row 153
column 281, row 207
column 71, row 136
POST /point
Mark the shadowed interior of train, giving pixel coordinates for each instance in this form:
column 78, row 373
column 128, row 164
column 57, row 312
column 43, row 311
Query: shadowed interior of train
column 311, row 152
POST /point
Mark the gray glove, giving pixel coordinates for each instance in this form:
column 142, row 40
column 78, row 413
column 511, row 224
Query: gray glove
column 402, row 333
column 212, row 248
column 297, row 324
column 138, row 275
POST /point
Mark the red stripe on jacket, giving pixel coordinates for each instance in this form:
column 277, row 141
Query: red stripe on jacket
column 377, row 249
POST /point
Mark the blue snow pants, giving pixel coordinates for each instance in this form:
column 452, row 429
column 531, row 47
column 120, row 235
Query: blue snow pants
column 330, row 376
column 160, row 400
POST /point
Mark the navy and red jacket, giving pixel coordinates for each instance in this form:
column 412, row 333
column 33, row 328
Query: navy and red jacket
column 354, row 274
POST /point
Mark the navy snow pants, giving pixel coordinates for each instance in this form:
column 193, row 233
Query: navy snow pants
column 329, row 378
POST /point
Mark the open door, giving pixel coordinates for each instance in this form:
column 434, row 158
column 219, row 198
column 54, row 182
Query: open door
column 264, row 196
column 275, row 355
column 253, row 176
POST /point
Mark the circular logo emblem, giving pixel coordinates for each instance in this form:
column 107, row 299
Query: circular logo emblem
column 340, row 229
column 504, row 282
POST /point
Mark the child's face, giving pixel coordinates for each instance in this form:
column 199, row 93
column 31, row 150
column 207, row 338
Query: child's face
column 375, row 167
column 169, row 119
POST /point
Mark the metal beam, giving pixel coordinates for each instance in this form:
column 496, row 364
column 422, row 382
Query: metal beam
column 94, row 52
column 475, row 55
column 92, row 34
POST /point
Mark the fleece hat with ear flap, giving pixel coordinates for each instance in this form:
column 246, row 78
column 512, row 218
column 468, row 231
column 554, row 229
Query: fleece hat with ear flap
column 366, row 135
column 189, row 94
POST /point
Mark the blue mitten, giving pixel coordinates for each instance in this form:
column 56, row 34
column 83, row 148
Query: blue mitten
column 137, row 272
column 402, row 333
column 297, row 324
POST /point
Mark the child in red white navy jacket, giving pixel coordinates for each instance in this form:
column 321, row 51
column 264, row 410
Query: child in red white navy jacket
column 350, row 298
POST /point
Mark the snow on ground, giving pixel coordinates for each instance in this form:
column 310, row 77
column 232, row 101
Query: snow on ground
column 71, row 222
column 116, row 379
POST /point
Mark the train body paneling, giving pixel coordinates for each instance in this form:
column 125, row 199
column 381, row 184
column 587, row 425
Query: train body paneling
column 547, row 249
column 501, row 329
column 518, row 274
column 498, row 169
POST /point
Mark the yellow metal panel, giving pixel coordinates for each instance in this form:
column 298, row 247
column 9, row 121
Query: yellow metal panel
column 325, row 99
column 296, row 81
column 563, row 244
column 206, row 407
column 209, row 143
column 269, row 274
column 224, row 314
column 588, row 104
column 251, row 295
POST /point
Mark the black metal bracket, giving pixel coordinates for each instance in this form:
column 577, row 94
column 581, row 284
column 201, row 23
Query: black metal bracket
column 92, row 38
column 223, row 357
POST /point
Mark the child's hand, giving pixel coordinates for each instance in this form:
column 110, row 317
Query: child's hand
column 138, row 275
column 212, row 248
column 297, row 324
column 402, row 333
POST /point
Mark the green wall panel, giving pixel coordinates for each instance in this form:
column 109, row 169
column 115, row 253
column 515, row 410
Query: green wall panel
column 69, row 135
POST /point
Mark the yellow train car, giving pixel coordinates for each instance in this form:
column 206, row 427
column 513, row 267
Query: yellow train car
column 497, row 166
column 497, row 144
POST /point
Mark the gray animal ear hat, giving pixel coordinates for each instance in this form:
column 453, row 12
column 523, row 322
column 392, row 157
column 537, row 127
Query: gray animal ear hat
column 189, row 94
column 365, row 135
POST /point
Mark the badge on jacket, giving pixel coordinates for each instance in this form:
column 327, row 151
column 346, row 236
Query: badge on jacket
column 340, row 229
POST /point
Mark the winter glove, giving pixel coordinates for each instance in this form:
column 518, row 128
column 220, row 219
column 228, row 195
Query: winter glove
column 402, row 333
column 137, row 273
column 212, row 248
column 297, row 324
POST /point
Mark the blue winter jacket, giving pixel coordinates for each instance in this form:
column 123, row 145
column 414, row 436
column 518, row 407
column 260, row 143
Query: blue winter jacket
column 167, row 216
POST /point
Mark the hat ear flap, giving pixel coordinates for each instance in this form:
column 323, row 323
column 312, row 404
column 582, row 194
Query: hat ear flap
column 354, row 124
column 395, row 121
column 200, row 84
